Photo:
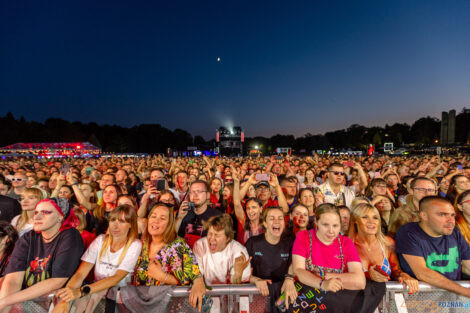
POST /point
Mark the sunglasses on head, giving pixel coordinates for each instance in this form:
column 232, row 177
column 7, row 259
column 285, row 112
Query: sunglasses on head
column 168, row 205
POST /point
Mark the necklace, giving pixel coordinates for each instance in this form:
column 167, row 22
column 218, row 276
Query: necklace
column 52, row 237
column 368, row 248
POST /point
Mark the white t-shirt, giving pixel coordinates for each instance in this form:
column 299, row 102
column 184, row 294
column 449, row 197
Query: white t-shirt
column 108, row 265
column 217, row 268
column 26, row 227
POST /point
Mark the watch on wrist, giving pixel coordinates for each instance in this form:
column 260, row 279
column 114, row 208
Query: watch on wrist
column 85, row 290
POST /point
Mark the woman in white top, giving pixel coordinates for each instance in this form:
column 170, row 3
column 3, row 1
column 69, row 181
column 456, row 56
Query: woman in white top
column 24, row 222
column 113, row 256
column 221, row 259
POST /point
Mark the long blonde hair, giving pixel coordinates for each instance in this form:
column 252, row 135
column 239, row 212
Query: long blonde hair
column 24, row 219
column 130, row 216
column 356, row 214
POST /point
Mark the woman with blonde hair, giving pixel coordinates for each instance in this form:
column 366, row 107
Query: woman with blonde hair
column 24, row 222
column 376, row 251
column 113, row 257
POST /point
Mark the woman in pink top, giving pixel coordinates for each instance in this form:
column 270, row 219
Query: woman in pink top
column 328, row 261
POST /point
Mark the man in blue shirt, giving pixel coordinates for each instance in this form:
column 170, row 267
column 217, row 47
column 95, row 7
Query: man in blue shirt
column 434, row 250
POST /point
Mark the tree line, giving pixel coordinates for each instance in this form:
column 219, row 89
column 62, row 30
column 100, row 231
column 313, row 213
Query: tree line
column 154, row 138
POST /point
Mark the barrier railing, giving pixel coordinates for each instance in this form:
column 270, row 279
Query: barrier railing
column 429, row 299
column 246, row 298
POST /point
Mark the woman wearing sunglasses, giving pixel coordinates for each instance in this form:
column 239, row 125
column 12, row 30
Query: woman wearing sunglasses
column 43, row 259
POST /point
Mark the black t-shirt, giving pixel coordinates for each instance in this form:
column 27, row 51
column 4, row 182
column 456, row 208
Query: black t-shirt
column 96, row 225
column 9, row 208
column 40, row 261
column 192, row 228
column 270, row 261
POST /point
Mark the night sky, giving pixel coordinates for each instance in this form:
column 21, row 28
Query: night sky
column 288, row 67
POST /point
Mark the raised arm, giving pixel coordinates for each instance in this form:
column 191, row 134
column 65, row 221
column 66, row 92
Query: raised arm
column 60, row 182
column 73, row 181
column 362, row 175
column 281, row 199
column 251, row 181
column 239, row 213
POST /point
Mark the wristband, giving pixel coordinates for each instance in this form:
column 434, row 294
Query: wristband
column 289, row 276
column 321, row 283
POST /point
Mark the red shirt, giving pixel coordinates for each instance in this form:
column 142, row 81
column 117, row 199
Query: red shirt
column 87, row 238
column 271, row 202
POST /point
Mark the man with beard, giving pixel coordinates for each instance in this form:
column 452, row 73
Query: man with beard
column 433, row 250
column 193, row 213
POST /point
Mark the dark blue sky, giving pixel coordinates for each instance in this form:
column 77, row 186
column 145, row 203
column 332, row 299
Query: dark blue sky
column 288, row 67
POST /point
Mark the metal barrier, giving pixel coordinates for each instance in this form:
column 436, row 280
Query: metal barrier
column 429, row 299
column 233, row 298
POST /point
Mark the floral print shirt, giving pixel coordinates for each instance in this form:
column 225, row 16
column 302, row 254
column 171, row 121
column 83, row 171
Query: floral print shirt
column 176, row 259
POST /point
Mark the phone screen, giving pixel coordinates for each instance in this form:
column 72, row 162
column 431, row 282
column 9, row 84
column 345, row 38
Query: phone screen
column 160, row 184
column 65, row 169
column 262, row 177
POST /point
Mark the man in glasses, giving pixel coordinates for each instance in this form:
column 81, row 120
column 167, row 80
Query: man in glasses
column 18, row 182
column 333, row 190
column 194, row 211
column 420, row 187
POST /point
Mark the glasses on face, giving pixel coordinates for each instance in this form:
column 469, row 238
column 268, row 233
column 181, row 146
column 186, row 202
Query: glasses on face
column 262, row 188
column 466, row 201
column 16, row 179
column 43, row 212
column 337, row 173
column 427, row 190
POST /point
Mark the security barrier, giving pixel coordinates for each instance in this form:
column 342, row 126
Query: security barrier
column 246, row 298
column 429, row 299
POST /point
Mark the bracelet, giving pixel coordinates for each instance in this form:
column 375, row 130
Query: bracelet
column 321, row 283
column 289, row 276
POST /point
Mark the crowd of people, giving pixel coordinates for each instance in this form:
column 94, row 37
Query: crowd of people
column 343, row 225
